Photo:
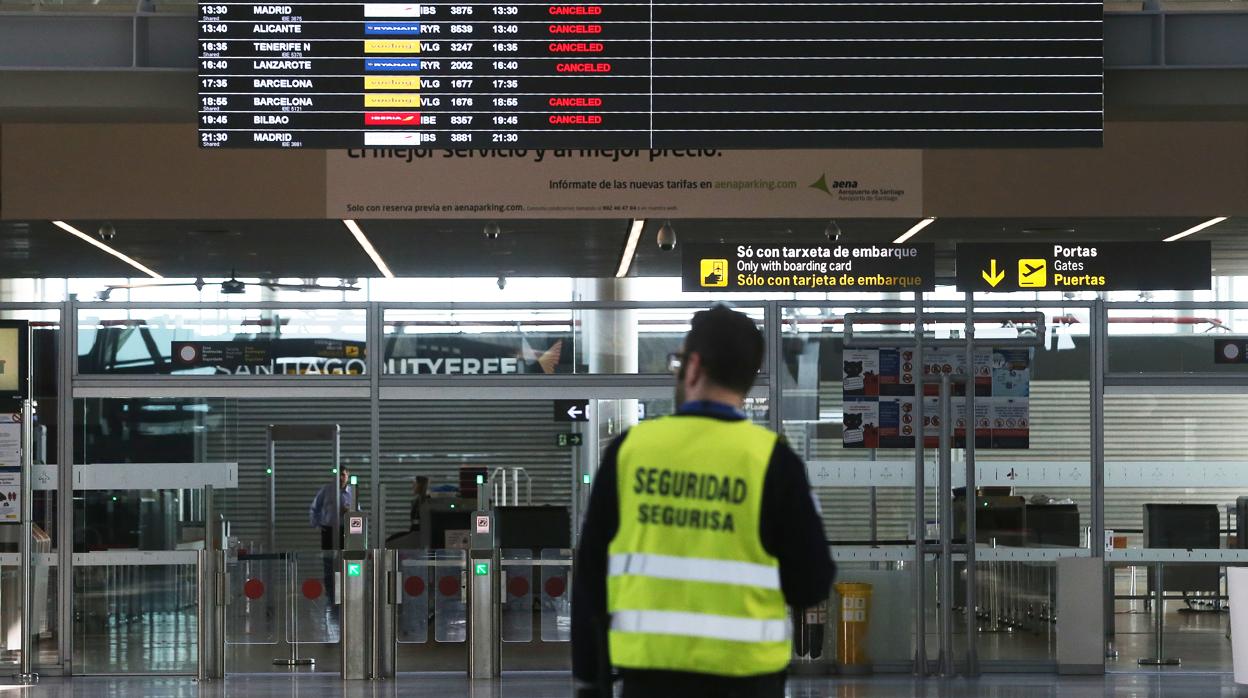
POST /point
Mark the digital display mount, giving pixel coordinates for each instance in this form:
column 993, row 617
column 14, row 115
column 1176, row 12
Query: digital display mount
column 678, row 75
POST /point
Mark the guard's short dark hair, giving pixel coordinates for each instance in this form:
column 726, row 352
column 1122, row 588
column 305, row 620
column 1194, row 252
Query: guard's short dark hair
column 730, row 345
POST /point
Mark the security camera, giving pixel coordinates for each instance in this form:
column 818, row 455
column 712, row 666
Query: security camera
column 492, row 231
column 666, row 237
column 107, row 232
column 832, row 232
column 502, row 282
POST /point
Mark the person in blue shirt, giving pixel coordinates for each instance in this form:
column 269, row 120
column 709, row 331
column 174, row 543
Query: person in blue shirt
column 323, row 515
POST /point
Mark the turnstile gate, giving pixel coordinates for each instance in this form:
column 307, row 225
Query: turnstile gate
column 429, row 595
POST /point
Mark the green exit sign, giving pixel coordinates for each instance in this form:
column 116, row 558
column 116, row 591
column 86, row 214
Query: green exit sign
column 354, row 569
column 481, row 569
column 569, row 440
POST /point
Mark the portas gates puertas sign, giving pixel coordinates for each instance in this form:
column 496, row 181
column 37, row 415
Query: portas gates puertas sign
column 800, row 267
column 1106, row 266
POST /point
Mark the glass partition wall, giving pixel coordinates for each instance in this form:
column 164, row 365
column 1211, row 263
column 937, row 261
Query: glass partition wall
column 1097, row 424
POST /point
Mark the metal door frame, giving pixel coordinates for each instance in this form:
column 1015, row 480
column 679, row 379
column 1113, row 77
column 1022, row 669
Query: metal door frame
column 377, row 387
column 917, row 312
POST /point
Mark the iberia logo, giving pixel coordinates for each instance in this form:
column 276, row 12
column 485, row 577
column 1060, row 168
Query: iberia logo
column 391, row 118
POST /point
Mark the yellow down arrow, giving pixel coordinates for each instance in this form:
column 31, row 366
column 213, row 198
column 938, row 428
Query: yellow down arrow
column 993, row 277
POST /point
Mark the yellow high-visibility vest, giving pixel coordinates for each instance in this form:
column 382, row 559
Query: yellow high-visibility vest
column 690, row 586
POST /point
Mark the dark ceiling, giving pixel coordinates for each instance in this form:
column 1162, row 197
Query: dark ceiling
column 459, row 248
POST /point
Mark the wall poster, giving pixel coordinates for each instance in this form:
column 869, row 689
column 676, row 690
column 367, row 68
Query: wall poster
column 879, row 397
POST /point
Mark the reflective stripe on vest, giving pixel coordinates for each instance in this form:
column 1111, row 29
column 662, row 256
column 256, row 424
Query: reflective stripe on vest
column 695, row 569
column 700, row 625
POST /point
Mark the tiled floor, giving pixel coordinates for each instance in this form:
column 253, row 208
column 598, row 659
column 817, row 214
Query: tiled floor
column 544, row 685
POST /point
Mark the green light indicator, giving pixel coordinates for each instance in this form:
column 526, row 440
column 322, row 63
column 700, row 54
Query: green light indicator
column 480, row 479
column 268, row 471
column 333, row 470
column 114, row 499
column 354, row 569
column 452, row 506
column 585, row 478
column 355, row 479
column 481, row 569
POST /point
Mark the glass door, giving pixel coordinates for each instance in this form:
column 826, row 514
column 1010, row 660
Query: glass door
column 440, row 460
column 851, row 408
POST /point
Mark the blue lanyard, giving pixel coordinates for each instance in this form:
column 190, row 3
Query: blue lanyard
column 714, row 409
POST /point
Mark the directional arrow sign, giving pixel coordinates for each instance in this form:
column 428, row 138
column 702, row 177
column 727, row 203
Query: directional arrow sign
column 1084, row 266
column 993, row 277
column 571, row 410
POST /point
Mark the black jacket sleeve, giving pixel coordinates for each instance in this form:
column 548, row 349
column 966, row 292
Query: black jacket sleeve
column 589, row 584
column 792, row 530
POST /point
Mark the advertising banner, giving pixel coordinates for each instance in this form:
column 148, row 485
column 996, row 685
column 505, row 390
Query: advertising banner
column 638, row 183
column 298, row 356
column 879, row 396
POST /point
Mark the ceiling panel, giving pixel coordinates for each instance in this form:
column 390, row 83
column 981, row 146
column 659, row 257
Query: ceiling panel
column 578, row 248
column 38, row 249
column 460, row 248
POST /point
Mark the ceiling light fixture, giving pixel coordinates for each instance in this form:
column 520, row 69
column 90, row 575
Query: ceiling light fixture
column 1195, row 229
column 914, row 230
column 630, row 247
column 96, row 243
column 368, row 248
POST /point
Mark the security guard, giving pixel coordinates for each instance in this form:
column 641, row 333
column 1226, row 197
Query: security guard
column 700, row 535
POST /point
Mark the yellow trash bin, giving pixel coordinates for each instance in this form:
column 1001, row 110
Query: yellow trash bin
column 851, row 626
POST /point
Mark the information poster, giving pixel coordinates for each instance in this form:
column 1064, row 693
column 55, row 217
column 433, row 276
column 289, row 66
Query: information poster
column 10, row 495
column 880, row 397
column 802, row 267
column 10, row 359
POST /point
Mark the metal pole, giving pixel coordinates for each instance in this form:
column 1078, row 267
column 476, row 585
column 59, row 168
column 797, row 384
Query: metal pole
column 271, row 448
column 206, row 592
column 292, row 607
column 380, row 536
column 920, row 483
column 27, row 673
column 65, row 482
column 1159, row 600
column 336, row 543
column 376, row 361
column 218, row 617
column 945, row 509
column 201, row 612
column 1098, row 338
column 972, row 574
column 772, row 327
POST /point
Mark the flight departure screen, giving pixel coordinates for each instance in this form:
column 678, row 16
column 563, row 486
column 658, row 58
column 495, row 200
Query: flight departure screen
column 660, row 74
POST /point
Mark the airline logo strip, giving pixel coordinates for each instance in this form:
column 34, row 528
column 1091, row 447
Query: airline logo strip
column 1085, row 266
column 379, row 91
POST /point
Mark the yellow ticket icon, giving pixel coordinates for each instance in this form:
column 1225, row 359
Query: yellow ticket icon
column 1033, row 273
column 713, row 273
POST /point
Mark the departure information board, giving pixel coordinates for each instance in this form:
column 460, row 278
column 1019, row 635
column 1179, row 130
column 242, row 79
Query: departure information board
column 659, row 74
